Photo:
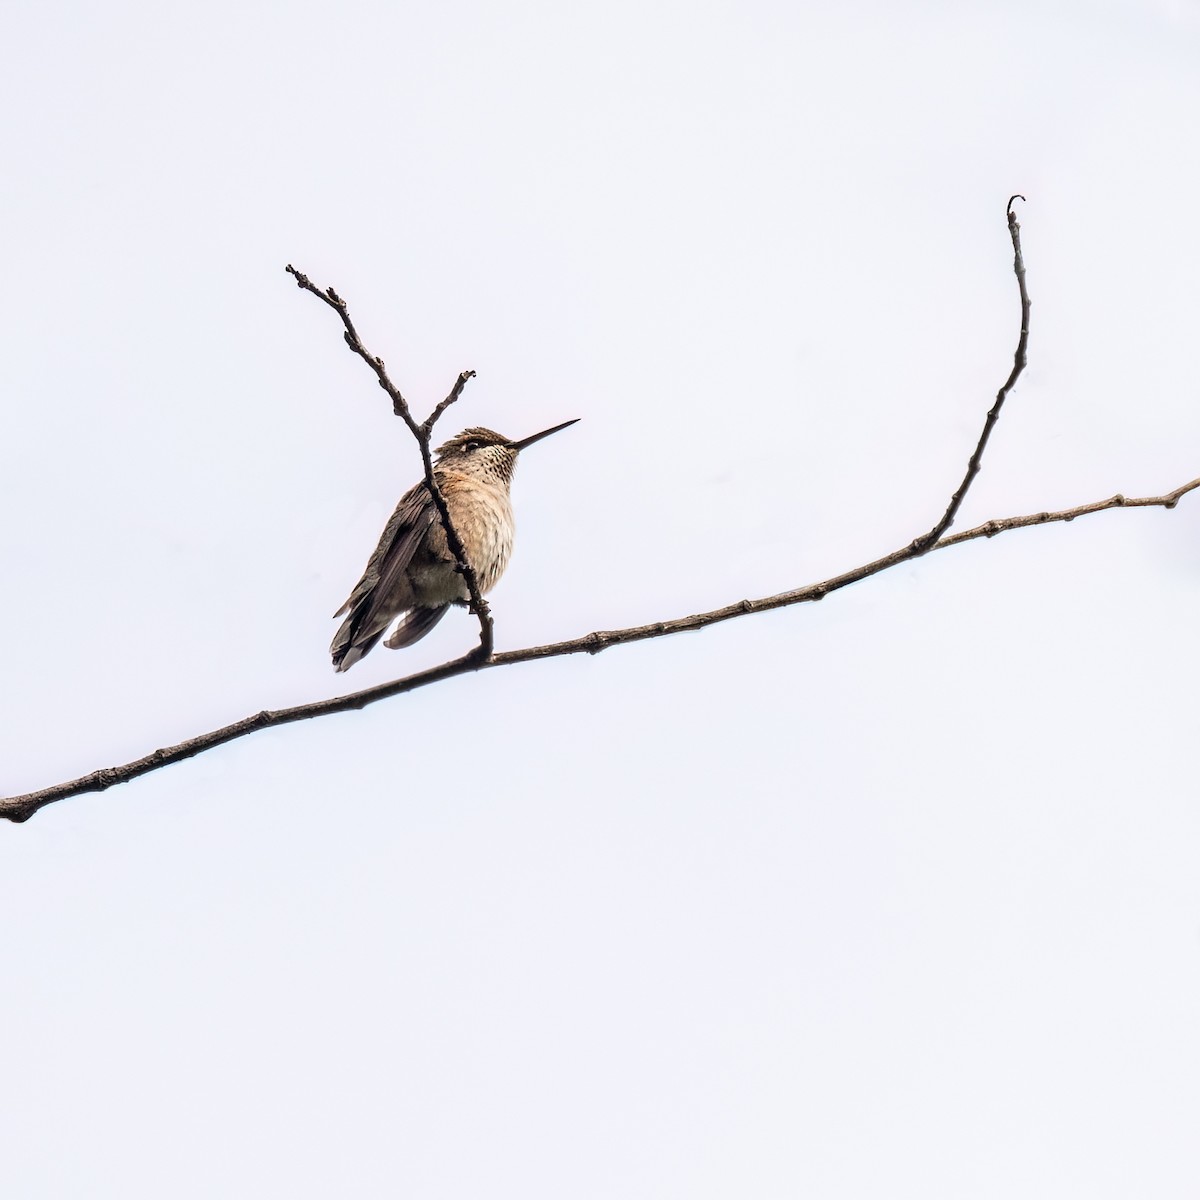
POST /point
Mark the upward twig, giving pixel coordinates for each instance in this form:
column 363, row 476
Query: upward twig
column 927, row 541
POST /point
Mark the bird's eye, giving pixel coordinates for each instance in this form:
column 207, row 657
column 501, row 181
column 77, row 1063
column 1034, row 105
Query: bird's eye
column 472, row 445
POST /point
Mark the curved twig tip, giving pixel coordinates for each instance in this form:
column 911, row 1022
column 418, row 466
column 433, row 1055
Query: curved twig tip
column 1017, row 196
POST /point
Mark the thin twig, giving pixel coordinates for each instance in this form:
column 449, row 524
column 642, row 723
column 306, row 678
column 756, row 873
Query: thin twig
column 456, row 391
column 991, row 528
column 21, row 808
column 927, row 541
column 423, row 433
column 329, row 296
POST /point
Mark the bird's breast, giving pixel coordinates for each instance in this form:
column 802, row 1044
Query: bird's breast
column 483, row 517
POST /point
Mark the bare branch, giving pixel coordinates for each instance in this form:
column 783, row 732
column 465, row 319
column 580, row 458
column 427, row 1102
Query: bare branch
column 927, row 541
column 21, row 808
column 423, row 432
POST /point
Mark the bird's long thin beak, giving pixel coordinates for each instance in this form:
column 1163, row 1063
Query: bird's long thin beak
column 537, row 437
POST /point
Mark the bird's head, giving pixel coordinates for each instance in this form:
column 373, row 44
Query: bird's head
column 481, row 451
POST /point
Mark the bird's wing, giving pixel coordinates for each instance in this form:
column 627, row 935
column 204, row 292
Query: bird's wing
column 401, row 537
column 383, row 577
column 383, row 591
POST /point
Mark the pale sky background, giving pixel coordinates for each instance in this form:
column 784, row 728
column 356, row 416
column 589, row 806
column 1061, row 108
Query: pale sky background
column 893, row 896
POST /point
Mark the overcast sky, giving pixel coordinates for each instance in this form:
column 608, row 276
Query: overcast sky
column 891, row 896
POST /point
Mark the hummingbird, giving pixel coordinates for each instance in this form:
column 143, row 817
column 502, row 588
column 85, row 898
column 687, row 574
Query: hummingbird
column 413, row 573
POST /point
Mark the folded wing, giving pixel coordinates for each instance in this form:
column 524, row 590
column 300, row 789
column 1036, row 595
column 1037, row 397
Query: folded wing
column 384, row 591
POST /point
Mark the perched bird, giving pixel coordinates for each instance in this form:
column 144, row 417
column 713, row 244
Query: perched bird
column 413, row 571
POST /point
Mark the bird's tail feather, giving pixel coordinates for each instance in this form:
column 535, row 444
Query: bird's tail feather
column 416, row 624
column 349, row 644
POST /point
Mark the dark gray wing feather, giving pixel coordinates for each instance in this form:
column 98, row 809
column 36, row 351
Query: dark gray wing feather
column 383, row 591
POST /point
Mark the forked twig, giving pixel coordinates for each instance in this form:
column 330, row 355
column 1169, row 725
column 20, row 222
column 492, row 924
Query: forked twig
column 423, row 433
